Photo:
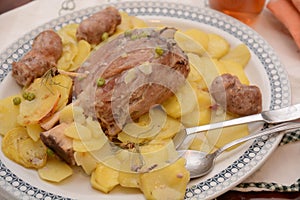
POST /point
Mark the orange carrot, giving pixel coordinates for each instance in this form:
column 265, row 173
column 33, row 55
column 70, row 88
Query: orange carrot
column 296, row 4
column 286, row 12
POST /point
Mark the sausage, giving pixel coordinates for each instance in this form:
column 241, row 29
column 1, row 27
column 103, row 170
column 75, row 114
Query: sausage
column 104, row 21
column 46, row 50
column 237, row 98
column 49, row 44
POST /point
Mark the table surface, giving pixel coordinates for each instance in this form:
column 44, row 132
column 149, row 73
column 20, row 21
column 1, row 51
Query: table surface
column 266, row 25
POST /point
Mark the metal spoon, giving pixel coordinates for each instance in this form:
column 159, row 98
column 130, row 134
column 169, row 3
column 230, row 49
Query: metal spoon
column 271, row 116
column 200, row 163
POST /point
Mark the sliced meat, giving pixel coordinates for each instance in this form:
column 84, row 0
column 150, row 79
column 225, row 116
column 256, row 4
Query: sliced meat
column 104, row 21
column 140, row 68
column 237, row 98
column 56, row 140
column 45, row 52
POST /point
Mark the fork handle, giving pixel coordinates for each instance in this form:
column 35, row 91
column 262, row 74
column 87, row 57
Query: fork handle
column 268, row 131
column 232, row 122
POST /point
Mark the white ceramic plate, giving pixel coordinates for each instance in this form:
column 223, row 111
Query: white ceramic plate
column 264, row 70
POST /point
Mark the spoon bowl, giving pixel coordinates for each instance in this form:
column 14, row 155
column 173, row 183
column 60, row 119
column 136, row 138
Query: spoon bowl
column 200, row 163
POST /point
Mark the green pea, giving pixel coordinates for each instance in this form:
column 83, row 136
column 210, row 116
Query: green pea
column 50, row 152
column 25, row 95
column 104, row 36
column 127, row 33
column 28, row 96
column 159, row 51
column 100, row 82
column 16, row 100
column 31, row 96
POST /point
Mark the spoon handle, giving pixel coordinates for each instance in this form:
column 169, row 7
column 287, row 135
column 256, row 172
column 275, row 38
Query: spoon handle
column 268, row 131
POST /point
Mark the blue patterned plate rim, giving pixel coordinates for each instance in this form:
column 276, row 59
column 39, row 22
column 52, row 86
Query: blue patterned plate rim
column 230, row 176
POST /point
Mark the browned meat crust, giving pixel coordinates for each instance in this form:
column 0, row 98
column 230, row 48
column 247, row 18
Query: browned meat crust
column 141, row 69
column 237, row 98
column 45, row 52
column 104, row 21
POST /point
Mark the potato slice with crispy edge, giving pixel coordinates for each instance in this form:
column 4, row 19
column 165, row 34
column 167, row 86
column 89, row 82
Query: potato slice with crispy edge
column 42, row 106
column 63, row 84
column 19, row 147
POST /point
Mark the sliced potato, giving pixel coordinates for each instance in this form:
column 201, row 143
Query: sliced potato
column 217, row 46
column 188, row 44
column 84, row 49
column 95, row 128
column 34, row 131
column 199, row 36
column 183, row 102
column 86, row 161
column 72, row 113
column 66, row 115
column 149, row 131
column 131, row 180
column 166, row 183
column 19, row 147
column 219, row 138
column 125, row 138
column 194, row 75
column 68, row 33
column 55, row 170
column 129, row 22
column 126, row 23
column 207, row 67
column 42, row 106
column 170, row 128
column 70, row 50
column 236, row 69
column 137, row 22
column 239, row 54
column 104, row 178
column 63, row 84
column 89, row 145
column 8, row 114
column 78, row 131
column 10, row 144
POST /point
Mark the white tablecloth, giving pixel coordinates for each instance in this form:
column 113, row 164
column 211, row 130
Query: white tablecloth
column 19, row 21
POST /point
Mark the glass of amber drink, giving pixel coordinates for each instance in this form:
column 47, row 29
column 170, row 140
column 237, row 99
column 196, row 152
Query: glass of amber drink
column 243, row 10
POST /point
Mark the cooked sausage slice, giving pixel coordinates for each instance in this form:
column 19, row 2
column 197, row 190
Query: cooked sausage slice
column 237, row 98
